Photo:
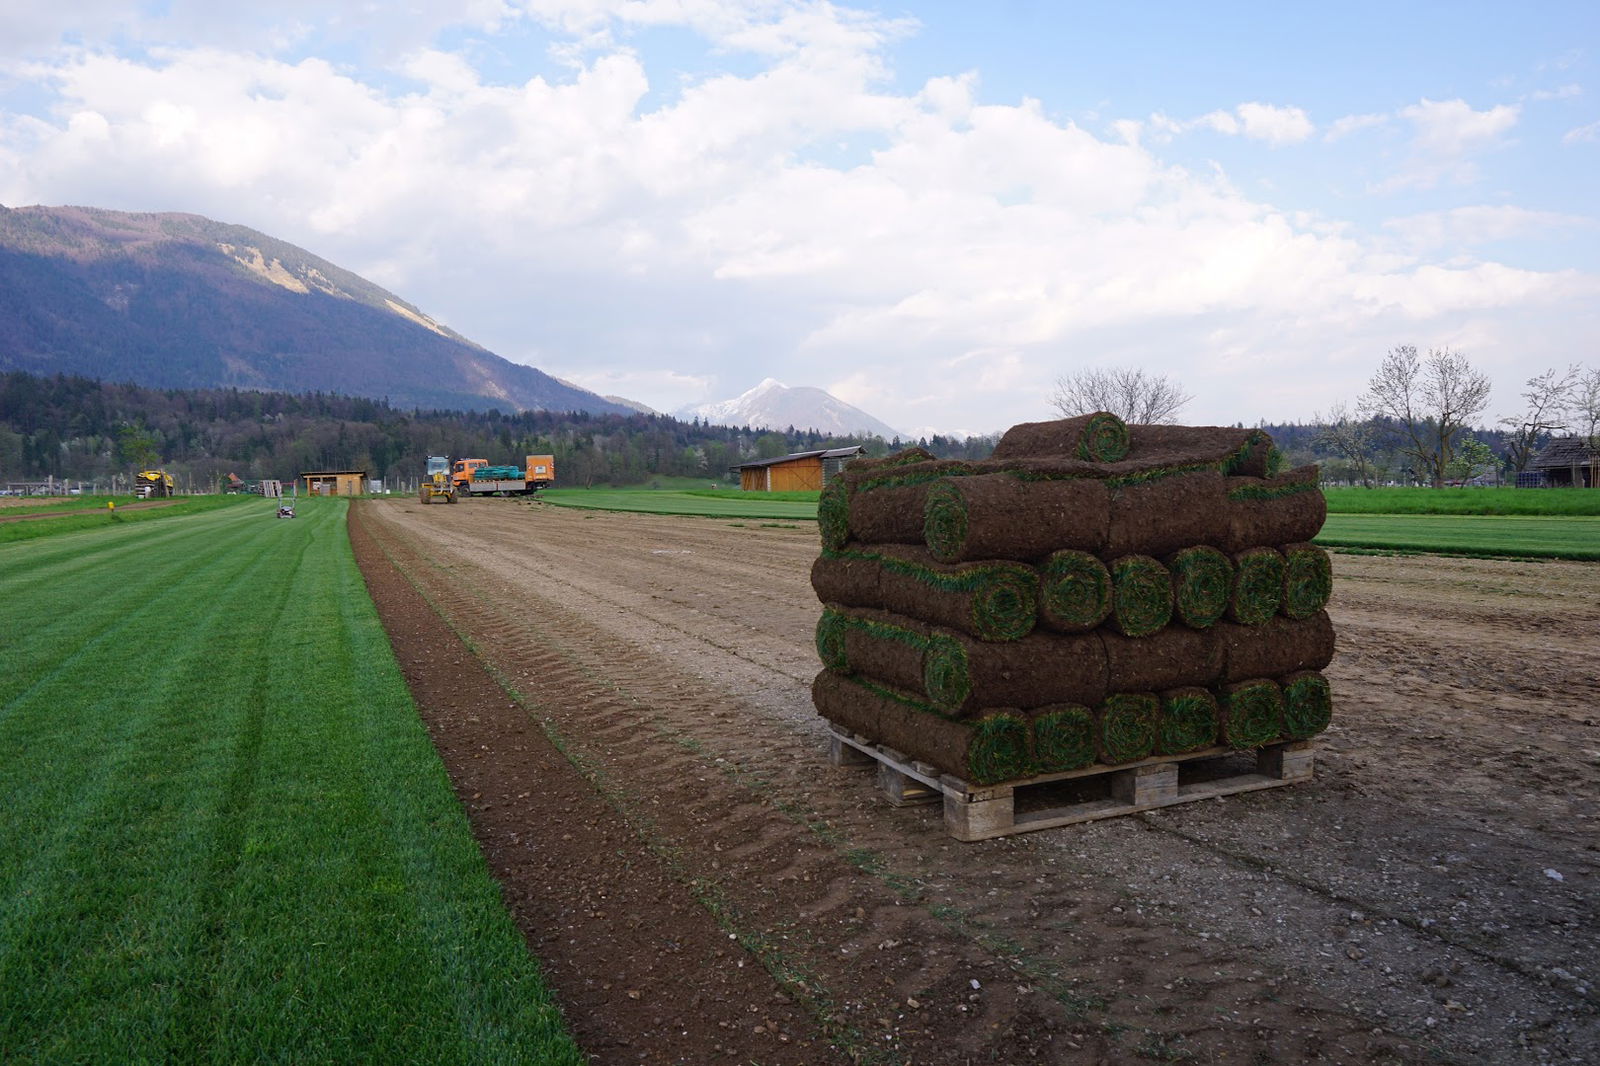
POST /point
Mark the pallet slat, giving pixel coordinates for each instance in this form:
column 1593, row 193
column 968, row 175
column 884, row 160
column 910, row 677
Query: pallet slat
column 978, row 812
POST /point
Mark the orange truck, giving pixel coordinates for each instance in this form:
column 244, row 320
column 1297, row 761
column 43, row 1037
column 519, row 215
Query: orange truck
column 475, row 477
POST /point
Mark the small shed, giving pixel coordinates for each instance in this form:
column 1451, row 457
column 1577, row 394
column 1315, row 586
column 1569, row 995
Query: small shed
column 1566, row 463
column 799, row 472
column 334, row 482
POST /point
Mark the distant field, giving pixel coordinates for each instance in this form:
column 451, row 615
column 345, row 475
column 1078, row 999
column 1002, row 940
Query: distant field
column 1489, row 501
column 96, row 515
column 706, row 503
column 1515, row 536
column 226, row 834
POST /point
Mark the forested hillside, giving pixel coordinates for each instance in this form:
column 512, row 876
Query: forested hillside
column 81, row 429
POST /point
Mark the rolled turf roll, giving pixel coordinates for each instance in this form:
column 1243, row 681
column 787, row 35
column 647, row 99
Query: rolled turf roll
column 1277, row 647
column 1285, row 509
column 989, row 600
column 831, row 630
column 1224, row 448
column 848, row 578
column 877, row 645
column 1188, row 720
column 1100, row 437
column 904, row 457
column 1307, row 580
column 884, row 502
column 1074, row 591
column 1161, row 511
column 1141, row 595
column 1202, row 585
column 833, row 515
column 1250, row 713
column 1007, row 516
column 1307, row 704
column 1257, row 586
column 961, row 676
column 1125, row 727
column 1172, row 658
column 987, row 750
column 1063, row 738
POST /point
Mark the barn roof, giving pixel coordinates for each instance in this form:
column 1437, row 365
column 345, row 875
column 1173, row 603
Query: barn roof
column 1565, row 452
column 824, row 453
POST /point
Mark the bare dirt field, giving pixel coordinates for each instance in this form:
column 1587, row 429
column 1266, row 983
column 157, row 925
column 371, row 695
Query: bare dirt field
column 623, row 702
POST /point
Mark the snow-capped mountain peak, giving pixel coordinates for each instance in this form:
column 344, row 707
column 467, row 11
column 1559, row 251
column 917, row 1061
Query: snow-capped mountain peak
column 774, row 405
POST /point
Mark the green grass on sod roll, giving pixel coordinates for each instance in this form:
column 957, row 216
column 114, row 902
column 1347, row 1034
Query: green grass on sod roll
column 1063, row 739
column 1005, row 601
column 1307, row 705
column 1188, row 721
column 1257, row 586
column 946, row 674
column 1075, row 590
column 1104, row 439
column 999, row 749
column 1307, row 580
column 1125, row 727
column 833, row 515
column 1252, row 714
column 1202, row 579
column 831, row 629
column 1141, row 596
column 944, row 520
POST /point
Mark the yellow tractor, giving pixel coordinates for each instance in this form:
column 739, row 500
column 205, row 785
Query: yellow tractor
column 148, row 484
column 437, row 482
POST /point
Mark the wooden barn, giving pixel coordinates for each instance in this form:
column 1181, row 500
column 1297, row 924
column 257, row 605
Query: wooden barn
column 334, row 482
column 800, row 472
column 1566, row 463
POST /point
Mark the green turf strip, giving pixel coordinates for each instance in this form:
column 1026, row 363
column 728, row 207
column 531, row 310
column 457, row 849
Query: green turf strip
column 226, row 835
column 1307, row 705
column 1141, row 596
column 1075, row 590
column 1063, row 739
column 1202, row 579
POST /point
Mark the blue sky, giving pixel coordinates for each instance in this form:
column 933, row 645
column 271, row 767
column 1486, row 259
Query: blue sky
column 934, row 210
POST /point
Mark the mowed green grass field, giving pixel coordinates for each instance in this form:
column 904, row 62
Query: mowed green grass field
column 226, row 836
column 1526, row 523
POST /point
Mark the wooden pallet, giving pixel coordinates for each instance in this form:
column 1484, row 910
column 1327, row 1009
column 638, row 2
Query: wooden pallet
column 978, row 812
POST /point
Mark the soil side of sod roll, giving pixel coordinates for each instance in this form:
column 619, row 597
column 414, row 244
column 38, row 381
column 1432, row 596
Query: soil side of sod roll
column 1175, row 657
column 1100, row 437
column 1277, row 510
column 1278, row 647
column 996, row 601
column 1158, row 517
column 1000, row 516
column 986, row 751
column 1235, row 451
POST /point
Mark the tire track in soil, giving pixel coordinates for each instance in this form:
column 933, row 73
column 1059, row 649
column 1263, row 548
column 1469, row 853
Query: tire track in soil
column 873, row 913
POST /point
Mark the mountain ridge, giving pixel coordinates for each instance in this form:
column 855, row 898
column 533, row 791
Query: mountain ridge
column 774, row 405
column 176, row 300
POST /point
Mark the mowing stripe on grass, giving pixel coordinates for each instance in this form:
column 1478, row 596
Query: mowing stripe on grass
column 228, row 837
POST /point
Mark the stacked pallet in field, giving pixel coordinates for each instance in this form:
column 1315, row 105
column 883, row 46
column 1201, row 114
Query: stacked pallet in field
column 1093, row 594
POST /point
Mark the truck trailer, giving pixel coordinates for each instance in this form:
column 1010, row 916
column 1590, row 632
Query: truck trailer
column 476, row 477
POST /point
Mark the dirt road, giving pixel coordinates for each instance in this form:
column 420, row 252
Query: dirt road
column 1430, row 895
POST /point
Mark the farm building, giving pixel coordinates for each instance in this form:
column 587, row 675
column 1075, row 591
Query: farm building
column 1567, row 462
column 334, row 482
column 800, row 472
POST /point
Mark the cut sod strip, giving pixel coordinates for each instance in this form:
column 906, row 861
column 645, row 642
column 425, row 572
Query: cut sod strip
column 1063, row 738
column 1202, row 580
column 991, row 601
column 1307, row 704
column 1188, row 721
column 1251, row 713
column 1141, row 595
column 1125, row 727
column 1257, row 586
column 1074, row 591
column 1100, row 437
column 1307, row 580
column 226, row 835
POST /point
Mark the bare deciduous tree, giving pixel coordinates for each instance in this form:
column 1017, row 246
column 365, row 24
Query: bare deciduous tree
column 1547, row 399
column 1132, row 395
column 1430, row 399
column 1585, row 411
column 1354, row 438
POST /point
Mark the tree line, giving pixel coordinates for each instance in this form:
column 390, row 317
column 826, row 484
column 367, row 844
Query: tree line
column 81, row 429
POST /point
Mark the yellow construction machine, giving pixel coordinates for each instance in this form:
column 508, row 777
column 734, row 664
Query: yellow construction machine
column 148, row 484
column 436, row 482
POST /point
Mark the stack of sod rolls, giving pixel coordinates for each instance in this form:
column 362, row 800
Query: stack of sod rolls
column 1092, row 593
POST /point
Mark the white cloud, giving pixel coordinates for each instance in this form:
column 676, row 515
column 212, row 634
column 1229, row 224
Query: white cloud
column 1582, row 134
column 1464, row 227
column 1446, row 134
column 1349, row 124
column 961, row 257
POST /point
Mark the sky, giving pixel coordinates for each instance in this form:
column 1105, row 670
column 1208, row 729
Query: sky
column 934, row 210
